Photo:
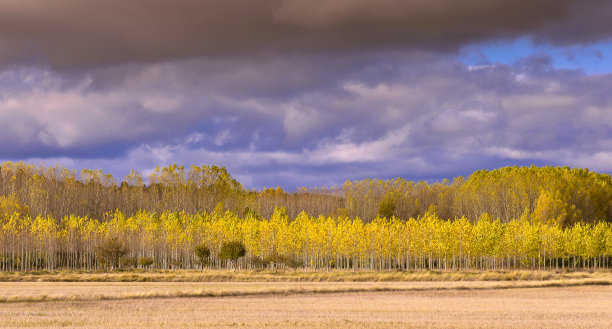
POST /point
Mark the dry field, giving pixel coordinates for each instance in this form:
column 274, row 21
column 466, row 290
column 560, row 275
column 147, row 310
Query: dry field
column 574, row 301
column 558, row 307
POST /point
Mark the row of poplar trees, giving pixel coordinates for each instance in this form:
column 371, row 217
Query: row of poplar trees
column 53, row 217
column 169, row 241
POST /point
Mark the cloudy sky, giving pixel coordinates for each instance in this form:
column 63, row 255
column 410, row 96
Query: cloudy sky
column 307, row 92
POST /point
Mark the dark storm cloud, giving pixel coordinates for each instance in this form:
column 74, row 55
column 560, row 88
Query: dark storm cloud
column 83, row 33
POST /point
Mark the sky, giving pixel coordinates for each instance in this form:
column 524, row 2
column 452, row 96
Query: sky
column 311, row 93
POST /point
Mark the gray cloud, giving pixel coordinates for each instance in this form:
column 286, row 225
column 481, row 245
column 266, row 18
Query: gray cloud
column 383, row 115
column 85, row 33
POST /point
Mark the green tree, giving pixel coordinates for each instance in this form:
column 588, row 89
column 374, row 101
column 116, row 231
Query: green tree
column 387, row 206
column 203, row 253
column 232, row 251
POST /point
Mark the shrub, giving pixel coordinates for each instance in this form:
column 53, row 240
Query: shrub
column 145, row 261
column 258, row 263
column 294, row 263
column 110, row 252
column 129, row 262
column 278, row 260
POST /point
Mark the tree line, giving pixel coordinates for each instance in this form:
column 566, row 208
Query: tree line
column 173, row 240
column 555, row 194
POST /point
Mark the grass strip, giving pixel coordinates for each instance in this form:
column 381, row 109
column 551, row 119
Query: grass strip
column 300, row 291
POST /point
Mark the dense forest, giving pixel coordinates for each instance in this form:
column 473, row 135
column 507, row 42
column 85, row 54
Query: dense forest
column 529, row 217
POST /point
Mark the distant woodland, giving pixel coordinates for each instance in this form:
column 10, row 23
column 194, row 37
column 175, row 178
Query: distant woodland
column 551, row 194
column 528, row 217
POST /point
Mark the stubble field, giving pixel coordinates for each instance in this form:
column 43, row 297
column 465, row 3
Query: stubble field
column 577, row 301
